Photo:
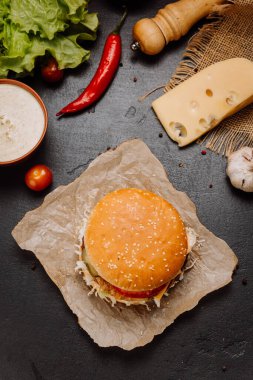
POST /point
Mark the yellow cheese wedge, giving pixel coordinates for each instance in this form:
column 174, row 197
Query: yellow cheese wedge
column 203, row 101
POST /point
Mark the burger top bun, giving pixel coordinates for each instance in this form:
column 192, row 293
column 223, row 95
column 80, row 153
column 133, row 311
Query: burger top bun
column 135, row 240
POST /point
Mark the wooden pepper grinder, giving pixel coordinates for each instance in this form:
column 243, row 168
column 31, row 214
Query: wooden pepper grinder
column 169, row 24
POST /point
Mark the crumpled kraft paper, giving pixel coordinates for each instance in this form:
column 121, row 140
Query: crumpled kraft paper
column 51, row 232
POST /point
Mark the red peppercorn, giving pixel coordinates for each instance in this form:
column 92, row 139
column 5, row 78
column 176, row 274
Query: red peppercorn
column 203, row 152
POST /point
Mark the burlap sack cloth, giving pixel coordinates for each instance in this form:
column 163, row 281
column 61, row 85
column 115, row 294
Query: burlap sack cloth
column 230, row 35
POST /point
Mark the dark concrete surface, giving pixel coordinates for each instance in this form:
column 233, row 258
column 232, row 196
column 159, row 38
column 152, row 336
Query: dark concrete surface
column 39, row 336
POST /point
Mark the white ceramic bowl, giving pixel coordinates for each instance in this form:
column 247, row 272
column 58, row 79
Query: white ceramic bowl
column 23, row 121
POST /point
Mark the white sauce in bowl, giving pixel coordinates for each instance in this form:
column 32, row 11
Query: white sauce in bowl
column 22, row 122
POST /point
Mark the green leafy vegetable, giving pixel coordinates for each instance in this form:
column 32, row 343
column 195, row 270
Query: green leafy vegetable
column 32, row 28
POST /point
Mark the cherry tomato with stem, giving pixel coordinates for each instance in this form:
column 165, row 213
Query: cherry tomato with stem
column 39, row 177
column 50, row 71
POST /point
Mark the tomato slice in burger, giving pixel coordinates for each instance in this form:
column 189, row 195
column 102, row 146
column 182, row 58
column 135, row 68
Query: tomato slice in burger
column 144, row 294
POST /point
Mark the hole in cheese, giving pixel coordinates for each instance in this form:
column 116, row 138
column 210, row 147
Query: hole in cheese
column 194, row 105
column 208, row 123
column 209, row 92
column 178, row 128
column 231, row 100
column 203, row 123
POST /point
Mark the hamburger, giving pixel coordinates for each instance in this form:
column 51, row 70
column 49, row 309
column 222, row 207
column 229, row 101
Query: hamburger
column 134, row 247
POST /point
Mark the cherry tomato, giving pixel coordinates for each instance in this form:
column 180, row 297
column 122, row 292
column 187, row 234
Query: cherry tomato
column 38, row 177
column 50, row 71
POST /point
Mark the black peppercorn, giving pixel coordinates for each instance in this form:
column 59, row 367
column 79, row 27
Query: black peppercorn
column 33, row 267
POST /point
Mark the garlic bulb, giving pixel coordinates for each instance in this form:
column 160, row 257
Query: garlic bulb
column 240, row 169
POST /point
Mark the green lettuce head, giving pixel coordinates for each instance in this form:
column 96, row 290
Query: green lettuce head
column 30, row 29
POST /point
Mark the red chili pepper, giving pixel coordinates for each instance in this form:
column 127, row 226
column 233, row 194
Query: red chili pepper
column 107, row 68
